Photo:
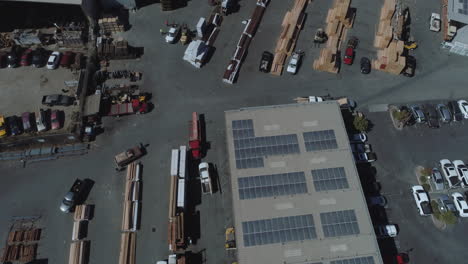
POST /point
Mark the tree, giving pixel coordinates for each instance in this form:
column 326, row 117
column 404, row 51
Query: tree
column 361, row 123
column 401, row 116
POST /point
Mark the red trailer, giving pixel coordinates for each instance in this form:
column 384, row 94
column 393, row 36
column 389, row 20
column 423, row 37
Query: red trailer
column 195, row 139
column 134, row 107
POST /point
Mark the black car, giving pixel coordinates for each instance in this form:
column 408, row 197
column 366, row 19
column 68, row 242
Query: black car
column 410, row 67
column 455, row 110
column 38, row 58
column 265, row 63
column 57, row 99
column 14, row 125
column 431, row 115
column 12, row 60
column 365, row 65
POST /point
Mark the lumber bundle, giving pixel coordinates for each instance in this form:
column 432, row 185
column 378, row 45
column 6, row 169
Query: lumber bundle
column 127, row 248
column 131, row 203
column 390, row 52
column 82, row 212
column 291, row 26
column 117, row 50
column 21, row 252
column 24, row 235
column 80, row 229
column 111, row 24
column 79, row 252
column 250, row 29
column 339, row 19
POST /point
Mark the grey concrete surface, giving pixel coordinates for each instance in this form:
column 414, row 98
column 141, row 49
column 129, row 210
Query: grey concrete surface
column 178, row 89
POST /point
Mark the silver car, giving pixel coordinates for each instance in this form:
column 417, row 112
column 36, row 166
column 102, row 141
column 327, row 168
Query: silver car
column 446, row 204
column 444, row 113
column 437, row 179
column 418, row 113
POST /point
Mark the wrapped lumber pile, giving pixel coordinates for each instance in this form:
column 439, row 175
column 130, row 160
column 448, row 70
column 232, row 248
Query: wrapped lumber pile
column 127, row 248
column 79, row 252
column 82, row 212
column 131, row 204
column 115, row 49
column 20, row 252
column 250, row 29
column 390, row 52
column 291, row 26
column 339, row 19
column 110, row 24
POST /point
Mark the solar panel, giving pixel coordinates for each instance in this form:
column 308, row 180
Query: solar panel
column 250, row 150
column 320, row 140
column 359, row 260
column 339, row 223
column 329, row 179
column 272, row 185
column 278, row 230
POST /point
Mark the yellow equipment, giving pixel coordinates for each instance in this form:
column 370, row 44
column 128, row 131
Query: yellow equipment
column 3, row 131
column 230, row 238
column 411, row 45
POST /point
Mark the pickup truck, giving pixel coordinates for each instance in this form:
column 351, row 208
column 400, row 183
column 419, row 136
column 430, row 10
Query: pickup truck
column 57, row 99
column 205, row 179
column 434, row 24
column 350, row 50
column 73, row 195
column 128, row 156
column 265, row 62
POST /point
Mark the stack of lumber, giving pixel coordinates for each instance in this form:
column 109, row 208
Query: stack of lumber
column 24, row 235
column 110, row 24
column 250, row 29
column 390, row 52
column 20, row 252
column 79, row 230
column 131, row 204
column 339, row 19
column 82, row 212
column 115, row 49
column 291, row 26
column 127, row 248
column 79, row 252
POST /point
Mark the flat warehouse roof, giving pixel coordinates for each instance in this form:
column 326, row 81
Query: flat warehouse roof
column 297, row 197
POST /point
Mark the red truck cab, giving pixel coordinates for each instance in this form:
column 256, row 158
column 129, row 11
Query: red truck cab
column 349, row 56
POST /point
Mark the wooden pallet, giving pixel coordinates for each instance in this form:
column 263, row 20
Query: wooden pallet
column 127, row 248
column 82, row 212
column 79, row 252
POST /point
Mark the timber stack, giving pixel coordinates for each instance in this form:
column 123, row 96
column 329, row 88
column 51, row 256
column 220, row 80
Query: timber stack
column 339, row 19
column 79, row 252
column 110, row 25
column 243, row 45
column 176, row 226
column 21, row 244
column 79, row 248
column 131, row 213
column 390, row 56
column 291, row 26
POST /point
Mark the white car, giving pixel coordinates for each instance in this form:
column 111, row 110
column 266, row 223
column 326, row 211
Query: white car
column 462, row 171
column 172, row 34
column 40, row 121
column 361, row 137
column 460, row 204
column 422, row 200
column 463, row 105
column 434, row 23
column 450, row 173
column 205, row 180
column 294, row 62
column 383, row 231
column 53, row 61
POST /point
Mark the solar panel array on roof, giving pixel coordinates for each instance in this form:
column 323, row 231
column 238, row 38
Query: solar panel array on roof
column 272, row 185
column 250, row 150
column 278, row 230
column 329, row 179
column 320, row 140
column 360, row 260
column 339, row 223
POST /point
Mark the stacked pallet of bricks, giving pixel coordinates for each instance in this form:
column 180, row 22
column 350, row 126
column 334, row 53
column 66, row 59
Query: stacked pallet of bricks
column 390, row 52
column 339, row 19
column 19, row 246
column 79, row 248
column 115, row 49
column 130, row 218
column 242, row 46
column 110, row 24
column 291, row 26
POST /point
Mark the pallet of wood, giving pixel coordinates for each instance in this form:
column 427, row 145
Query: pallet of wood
column 82, row 212
column 127, row 248
column 28, row 253
column 384, row 32
column 79, row 252
column 16, row 236
column 80, row 229
column 291, row 26
column 132, row 196
column 111, row 24
column 391, row 59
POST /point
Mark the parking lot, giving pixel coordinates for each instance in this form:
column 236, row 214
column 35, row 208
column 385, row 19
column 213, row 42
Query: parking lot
column 179, row 89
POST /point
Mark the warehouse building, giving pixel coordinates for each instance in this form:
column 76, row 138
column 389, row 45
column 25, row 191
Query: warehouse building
column 457, row 15
column 297, row 197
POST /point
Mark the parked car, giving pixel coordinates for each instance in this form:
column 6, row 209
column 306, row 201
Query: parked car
column 377, row 201
column 422, row 200
column 450, row 173
column 431, row 116
column 418, row 113
column 38, row 57
column 41, row 121
column 365, row 65
column 55, row 120
column 53, row 61
column 360, row 147
column 26, row 120
column 57, row 99
column 294, row 62
column 12, row 60
column 410, row 67
column 384, row 231
column 444, row 113
column 265, row 62
column 434, row 23
column 26, row 58
column 462, row 172
column 437, row 179
column 67, row 59
column 3, row 127
column 455, row 111
column 460, row 204
column 172, row 34
column 446, row 204
column 14, row 125
column 360, row 137
column 350, row 51
column 463, row 105
column 364, row 157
